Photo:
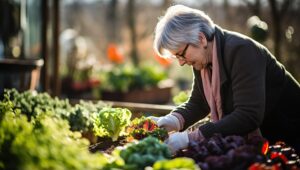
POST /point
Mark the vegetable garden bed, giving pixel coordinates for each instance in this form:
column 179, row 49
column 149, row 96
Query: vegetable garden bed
column 41, row 132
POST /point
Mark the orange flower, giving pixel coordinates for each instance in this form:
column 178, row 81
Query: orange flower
column 163, row 61
column 114, row 55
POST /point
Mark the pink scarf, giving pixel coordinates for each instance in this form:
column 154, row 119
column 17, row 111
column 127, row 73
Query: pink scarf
column 211, row 86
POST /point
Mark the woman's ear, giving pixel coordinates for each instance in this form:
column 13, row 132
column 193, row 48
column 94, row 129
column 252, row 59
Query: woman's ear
column 202, row 40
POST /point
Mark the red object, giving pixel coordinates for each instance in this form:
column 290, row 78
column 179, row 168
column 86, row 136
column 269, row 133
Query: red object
column 280, row 155
column 265, row 148
column 85, row 84
column 149, row 126
column 254, row 166
column 262, row 166
column 114, row 55
column 146, row 125
column 93, row 82
column 163, row 61
column 276, row 167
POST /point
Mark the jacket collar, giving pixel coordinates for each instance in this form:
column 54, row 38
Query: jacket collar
column 220, row 42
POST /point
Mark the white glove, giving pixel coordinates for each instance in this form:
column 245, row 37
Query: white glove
column 177, row 141
column 154, row 118
column 169, row 122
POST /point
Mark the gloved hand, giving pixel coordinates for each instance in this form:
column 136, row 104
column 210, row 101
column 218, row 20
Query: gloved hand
column 177, row 141
column 169, row 122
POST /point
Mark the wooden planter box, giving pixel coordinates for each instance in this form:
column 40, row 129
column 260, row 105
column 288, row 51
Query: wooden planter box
column 154, row 95
column 22, row 74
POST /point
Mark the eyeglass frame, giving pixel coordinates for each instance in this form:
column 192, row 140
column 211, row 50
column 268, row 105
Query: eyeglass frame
column 182, row 56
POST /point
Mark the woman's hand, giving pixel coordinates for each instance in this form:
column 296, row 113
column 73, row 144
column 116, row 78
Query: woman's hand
column 177, row 141
column 180, row 140
column 169, row 122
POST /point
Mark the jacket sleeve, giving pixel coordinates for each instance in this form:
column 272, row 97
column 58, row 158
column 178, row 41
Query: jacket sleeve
column 247, row 70
column 196, row 108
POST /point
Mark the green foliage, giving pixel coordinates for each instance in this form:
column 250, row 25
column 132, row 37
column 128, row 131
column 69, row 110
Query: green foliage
column 148, row 76
column 127, row 77
column 32, row 103
column 258, row 28
column 259, row 33
column 111, row 122
column 80, row 118
column 117, row 79
column 143, row 127
column 7, row 107
column 181, row 97
column 176, row 164
column 43, row 143
column 144, row 153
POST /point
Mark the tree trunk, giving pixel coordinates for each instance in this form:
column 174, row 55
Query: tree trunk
column 132, row 29
column 277, row 17
column 276, row 26
column 112, row 21
column 55, row 27
column 254, row 7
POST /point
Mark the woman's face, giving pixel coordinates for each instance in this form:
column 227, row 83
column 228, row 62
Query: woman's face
column 196, row 56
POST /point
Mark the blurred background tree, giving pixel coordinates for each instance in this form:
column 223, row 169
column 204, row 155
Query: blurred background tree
column 130, row 23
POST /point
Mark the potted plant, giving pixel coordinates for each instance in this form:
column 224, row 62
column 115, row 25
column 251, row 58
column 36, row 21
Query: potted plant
column 127, row 82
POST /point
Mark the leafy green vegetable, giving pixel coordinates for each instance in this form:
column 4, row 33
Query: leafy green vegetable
column 41, row 144
column 80, row 117
column 32, row 103
column 144, row 153
column 111, row 122
column 143, row 127
column 176, row 164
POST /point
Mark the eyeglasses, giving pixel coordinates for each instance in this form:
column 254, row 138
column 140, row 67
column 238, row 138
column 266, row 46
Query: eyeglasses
column 182, row 56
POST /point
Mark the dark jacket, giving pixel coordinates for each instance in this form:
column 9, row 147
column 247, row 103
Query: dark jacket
column 256, row 92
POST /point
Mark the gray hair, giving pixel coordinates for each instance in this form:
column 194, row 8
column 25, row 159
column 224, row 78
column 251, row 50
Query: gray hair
column 181, row 25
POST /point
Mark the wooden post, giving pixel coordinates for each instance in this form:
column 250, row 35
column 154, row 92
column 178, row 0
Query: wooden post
column 56, row 78
column 44, row 52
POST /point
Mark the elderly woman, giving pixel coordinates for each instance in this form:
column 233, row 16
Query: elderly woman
column 236, row 80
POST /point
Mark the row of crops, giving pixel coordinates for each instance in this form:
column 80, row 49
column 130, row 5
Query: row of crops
column 41, row 132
